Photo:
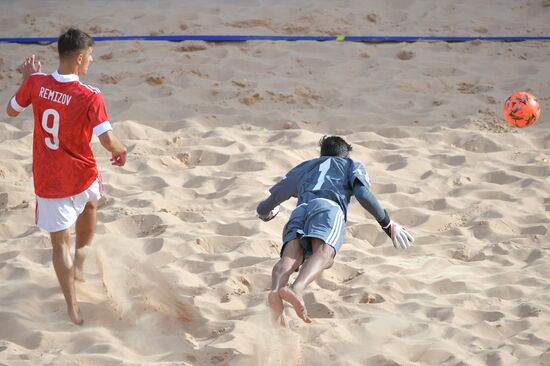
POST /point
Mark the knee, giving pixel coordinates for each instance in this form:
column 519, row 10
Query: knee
column 91, row 206
column 59, row 245
column 61, row 251
column 60, row 239
column 328, row 253
column 90, row 209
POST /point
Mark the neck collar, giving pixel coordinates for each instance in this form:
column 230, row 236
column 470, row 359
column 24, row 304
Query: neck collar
column 65, row 78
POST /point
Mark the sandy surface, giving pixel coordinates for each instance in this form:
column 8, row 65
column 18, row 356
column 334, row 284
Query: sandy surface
column 181, row 266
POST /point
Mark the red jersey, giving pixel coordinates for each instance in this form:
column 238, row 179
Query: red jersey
column 66, row 113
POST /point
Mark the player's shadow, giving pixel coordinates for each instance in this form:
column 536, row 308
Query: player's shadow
column 316, row 309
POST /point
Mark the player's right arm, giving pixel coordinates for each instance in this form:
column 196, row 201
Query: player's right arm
column 269, row 208
column 10, row 111
column 27, row 68
column 117, row 149
column 280, row 192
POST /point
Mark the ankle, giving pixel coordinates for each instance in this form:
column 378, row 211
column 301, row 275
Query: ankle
column 83, row 246
column 72, row 304
column 298, row 288
column 83, row 251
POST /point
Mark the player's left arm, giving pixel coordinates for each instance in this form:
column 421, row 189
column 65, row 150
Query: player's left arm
column 400, row 237
column 117, row 149
column 27, row 68
column 97, row 115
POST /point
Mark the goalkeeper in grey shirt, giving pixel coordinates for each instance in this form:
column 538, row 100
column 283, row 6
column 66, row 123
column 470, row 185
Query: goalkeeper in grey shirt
column 315, row 230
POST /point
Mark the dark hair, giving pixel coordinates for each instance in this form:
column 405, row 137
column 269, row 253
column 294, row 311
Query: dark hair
column 334, row 146
column 73, row 40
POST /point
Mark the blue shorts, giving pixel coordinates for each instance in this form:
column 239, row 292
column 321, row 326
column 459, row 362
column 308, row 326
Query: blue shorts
column 319, row 218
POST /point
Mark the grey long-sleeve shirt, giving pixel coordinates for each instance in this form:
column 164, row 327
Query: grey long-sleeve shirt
column 329, row 177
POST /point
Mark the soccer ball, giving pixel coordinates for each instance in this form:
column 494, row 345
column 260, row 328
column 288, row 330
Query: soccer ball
column 522, row 109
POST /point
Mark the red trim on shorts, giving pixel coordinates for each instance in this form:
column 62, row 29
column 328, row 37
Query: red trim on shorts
column 36, row 213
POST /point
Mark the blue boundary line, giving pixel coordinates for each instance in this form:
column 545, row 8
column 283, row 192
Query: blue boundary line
column 241, row 38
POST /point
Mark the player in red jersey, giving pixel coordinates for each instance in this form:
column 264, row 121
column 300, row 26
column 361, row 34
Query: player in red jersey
column 66, row 180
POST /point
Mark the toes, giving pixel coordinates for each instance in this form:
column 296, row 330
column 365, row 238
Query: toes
column 304, row 316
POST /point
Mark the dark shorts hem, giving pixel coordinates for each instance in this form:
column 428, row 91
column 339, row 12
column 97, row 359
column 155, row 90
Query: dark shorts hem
column 305, row 244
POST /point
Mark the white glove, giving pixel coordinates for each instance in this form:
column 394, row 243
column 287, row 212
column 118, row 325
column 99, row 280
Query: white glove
column 400, row 237
column 271, row 214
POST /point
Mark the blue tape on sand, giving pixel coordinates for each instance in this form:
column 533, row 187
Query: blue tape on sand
column 238, row 38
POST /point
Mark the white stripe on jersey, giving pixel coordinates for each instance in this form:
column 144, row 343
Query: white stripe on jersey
column 329, row 201
column 91, row 88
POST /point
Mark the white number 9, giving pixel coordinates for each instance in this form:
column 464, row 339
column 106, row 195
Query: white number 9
column 51, row 142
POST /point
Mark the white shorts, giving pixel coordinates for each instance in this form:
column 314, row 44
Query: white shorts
column 57, row 214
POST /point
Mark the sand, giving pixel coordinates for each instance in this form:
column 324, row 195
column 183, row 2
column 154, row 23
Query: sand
column 180, row 267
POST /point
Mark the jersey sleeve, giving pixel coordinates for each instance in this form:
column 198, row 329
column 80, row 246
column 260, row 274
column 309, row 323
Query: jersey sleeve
column 288, row 186
column 282, row 191
column 97, row 115
column 369, row 202
column 359, row 173
column 22, row 99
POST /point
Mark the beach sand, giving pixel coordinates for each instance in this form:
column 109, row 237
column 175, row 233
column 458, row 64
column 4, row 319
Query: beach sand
column 180, row 267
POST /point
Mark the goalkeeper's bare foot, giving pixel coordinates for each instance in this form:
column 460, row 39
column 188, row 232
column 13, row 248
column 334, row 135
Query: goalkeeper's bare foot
column 277, row 308
column 297, row 302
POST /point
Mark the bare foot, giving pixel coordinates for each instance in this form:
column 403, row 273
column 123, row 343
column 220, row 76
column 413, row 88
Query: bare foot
column 294, row 299
column 277, row 308
column 74, row 314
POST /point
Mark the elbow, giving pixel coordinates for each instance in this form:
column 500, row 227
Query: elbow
column 359, row 191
